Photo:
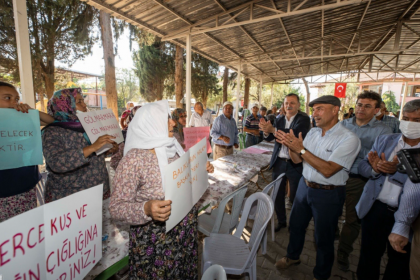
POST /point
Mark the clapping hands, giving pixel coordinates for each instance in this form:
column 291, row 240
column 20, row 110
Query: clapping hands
column 381, row 165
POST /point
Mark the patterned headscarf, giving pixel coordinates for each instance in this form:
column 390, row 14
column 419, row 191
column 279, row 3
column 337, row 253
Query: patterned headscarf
column 179, row 127
column 129, row 119
column 62, row 105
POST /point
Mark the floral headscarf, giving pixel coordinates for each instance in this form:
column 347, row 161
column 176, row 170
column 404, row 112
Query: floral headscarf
column 129, row 118
column 179, row 127
column 62, row 105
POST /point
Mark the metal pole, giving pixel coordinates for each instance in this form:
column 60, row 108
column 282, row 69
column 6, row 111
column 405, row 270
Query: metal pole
column 238, row 91
column 272, row 92
column 261, row 84
column 403, row 99
column 188, row 79
column 24, row 52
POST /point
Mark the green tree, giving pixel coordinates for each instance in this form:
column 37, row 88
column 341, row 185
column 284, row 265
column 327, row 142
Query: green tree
column 59, row 30
column 127, row 85
column 391, row 104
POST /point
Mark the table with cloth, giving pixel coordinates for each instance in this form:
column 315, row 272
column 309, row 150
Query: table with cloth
column 230, row 173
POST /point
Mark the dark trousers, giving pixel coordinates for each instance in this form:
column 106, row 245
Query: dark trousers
column 251, row 140
column 351, row 228
column 376, row 227
column 325, row 206
column 293, row 173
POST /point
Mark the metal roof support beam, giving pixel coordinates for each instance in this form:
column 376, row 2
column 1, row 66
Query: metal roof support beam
column 188, row 78
column 182, row 32
column 238, row 90
column 397, row 36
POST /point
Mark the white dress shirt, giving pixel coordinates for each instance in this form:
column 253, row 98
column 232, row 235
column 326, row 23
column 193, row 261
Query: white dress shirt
column 391, row 192
column 284, row 151
column 200, row 121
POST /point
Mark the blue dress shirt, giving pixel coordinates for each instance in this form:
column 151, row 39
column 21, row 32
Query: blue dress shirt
column 226, row 127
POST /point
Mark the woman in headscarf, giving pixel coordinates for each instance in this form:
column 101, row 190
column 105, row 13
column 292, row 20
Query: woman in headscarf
column 115, row 159
column 138, row 200
column 180, row 118
column 70, row 157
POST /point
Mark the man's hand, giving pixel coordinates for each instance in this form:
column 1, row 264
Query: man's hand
column 389, row 167
column 266, row 126
column 209, row 167
column 374, row 159
column 236, row 146
column 290, row 140
column 225, row 139
column 256, row 133
column 398, row 242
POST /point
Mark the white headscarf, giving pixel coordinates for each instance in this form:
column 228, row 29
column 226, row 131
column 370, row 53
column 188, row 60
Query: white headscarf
column 149, row 130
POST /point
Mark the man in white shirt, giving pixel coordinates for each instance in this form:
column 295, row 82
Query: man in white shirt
column 201, row 117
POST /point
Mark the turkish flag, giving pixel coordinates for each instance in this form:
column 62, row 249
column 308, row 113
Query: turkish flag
column 340, row 90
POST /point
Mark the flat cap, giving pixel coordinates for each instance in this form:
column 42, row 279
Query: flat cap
column 254, row 105
column 326, row 99
column 227, row 103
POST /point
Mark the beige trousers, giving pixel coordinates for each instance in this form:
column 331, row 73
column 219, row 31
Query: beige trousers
column 219, row 152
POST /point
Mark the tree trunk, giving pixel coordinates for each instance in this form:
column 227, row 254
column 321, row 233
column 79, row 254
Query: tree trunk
column 49, row 84
column 179, row 63
column 225, row 84
column 246, row 93
column 109, row 57
column 205, row 97
column 308, row 95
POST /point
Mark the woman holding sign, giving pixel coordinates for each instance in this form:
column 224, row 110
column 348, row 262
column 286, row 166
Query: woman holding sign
column 138, row 200
column 17, row 192
column 70, row 157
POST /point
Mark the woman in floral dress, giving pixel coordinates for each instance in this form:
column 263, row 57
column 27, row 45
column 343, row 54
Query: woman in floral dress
column 70, row 157
column 138, row 199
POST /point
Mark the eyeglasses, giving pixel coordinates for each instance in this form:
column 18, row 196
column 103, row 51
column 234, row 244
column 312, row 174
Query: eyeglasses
column 182, row 116
column 367, row 106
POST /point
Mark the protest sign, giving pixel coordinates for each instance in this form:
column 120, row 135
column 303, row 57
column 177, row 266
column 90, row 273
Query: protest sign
column 61, row 240
column 185, row 181
column 193, row 135
column 20, row 139
column 98, row 123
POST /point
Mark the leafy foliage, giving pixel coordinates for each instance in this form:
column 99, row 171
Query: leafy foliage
column 391, row 104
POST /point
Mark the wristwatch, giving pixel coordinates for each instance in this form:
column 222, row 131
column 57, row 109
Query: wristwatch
column 303, row 151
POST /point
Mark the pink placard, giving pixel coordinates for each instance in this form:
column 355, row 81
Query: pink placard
column 252, row 150
column 193, row 135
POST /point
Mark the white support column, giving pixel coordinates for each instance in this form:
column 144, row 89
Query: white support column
column 403, row 99
column 261, row 86
column 272, row 93
column 188, row 79
column 24, row 52
column 238, row 91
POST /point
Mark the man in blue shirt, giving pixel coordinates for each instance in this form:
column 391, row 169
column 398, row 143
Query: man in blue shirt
column 367, row 128
column 224, row 132
column 251, row 127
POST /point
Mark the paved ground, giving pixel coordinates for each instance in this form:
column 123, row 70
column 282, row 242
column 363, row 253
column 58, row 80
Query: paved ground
column 277, row 249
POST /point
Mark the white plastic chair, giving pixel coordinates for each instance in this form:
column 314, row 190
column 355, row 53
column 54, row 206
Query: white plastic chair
column 272, row 190
column 219, row 221
column 230, row 251
column 215, row 272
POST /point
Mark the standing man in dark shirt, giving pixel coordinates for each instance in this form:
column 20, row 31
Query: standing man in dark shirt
column 280, row 161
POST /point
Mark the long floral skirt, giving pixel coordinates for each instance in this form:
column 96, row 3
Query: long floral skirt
column 17, row 204
column 156, row 255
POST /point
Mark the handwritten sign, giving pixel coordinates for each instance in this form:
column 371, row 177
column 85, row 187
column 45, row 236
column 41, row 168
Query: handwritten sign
column 186, row 180
column 99, row 123
column 61, row 240
column 193, row 135
column 20, row 139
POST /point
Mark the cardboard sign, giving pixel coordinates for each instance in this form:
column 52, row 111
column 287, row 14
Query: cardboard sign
column 60, row 240
column 193, row 135
column 186, row 180
column 99, row 123
column 20, row 139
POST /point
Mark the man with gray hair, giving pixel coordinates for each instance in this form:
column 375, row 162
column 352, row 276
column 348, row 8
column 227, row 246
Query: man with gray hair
column 200, row 117
column 380, row 208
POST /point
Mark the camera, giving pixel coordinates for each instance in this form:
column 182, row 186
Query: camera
column 410, row 163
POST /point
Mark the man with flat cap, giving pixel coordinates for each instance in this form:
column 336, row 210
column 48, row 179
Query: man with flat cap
column 327, row 153
column 224, row 132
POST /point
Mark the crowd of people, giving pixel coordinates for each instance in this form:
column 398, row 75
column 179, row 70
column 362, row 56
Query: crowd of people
column 329, row 164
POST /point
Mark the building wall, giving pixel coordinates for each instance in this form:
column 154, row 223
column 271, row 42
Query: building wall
column 93, row 99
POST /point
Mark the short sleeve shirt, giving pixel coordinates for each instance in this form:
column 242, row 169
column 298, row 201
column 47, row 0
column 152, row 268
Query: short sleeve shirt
column 200, row 121
column 252, row 122
column 338, row 145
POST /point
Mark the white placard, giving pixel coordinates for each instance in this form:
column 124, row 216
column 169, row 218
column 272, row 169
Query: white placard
column 186, row 180
column 60, row 240
column 98, row 123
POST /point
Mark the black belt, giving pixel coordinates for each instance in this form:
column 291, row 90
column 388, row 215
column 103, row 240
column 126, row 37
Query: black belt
column 284, row 159
column 390, row 208
column 314, row 185
column 223, row 146
column 353, row 175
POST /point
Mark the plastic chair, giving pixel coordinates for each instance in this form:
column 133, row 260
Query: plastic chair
column 219, row 221
column 241, row 137
column 230, row 251
column 215, row 272
column 274, row 188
